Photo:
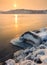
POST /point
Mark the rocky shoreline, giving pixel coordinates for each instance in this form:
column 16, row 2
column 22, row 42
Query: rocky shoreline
column 35, row 55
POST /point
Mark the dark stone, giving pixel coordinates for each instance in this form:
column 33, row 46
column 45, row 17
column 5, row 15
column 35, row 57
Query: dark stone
column 42, row 46
column 37, row 60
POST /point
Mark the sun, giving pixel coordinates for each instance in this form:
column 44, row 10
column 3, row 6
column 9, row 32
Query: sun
column 14, row 5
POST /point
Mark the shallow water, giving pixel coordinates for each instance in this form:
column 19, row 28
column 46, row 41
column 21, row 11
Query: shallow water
column 13, row 25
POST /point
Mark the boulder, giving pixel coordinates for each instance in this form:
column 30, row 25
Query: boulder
column 45, row 44
column 31, row 38
column 43, row 35
column 42, row 46
column 19, row 55
column 41, row 54
column 10, row 62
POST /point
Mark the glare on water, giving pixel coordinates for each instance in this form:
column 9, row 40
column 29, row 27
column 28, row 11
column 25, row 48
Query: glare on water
column 16, row 20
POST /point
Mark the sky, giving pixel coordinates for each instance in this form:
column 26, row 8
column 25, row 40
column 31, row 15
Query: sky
column 23, row 4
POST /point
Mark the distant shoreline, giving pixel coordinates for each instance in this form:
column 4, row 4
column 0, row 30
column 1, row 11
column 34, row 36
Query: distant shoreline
column 24, row 11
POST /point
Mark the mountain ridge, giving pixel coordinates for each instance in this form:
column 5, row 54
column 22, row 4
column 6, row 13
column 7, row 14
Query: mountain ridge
column 24, row 11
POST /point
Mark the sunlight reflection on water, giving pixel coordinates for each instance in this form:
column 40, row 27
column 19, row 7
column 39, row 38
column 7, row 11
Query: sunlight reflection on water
column 16, row 19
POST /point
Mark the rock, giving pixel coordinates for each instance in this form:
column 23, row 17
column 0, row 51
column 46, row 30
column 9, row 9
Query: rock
column 32, row 57
column 45, row 61
column 10, row 62
column 37, row 60
column 45, row 44
column 35, row 53
column 16, row 54
column 43, row 35
column 41, row 54
column 27, row 40
column 43, row 29
column 36, row 31
column 42, row 46
column 27, row 51
column 31, row 38
column 26, row 62
column 20, row 55
column 20, row 58
column 32, row 49
column 28, row 57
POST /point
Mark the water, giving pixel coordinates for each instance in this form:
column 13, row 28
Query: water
column 13, row 25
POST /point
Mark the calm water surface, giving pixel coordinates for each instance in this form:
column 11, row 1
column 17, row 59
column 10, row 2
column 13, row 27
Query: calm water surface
column 12, row 26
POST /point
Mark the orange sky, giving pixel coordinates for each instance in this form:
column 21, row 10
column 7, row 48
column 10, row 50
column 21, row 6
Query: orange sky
column 26, row 4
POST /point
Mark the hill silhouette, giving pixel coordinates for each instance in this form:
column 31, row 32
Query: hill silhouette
column 24, row 11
